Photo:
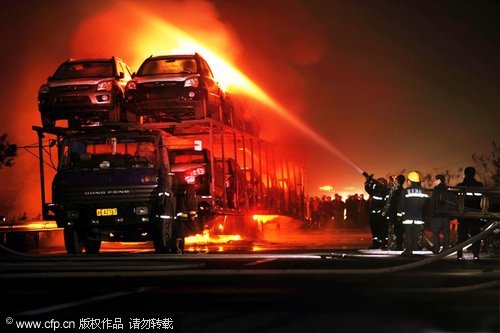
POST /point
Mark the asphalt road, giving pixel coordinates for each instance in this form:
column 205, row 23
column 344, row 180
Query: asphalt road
column 291, row 280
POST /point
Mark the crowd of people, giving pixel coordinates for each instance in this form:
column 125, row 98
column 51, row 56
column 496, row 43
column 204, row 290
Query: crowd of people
column 397, row 210
column 325, row 211
column 398, row 214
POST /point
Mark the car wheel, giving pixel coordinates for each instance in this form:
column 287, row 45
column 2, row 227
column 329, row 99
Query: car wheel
column 72, row 241
column 114, row 114
column 201, row 111
column 218, row 115
column 47, row 121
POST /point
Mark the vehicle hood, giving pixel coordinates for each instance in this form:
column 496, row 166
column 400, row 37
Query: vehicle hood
column 164, row 77
column 71, row 82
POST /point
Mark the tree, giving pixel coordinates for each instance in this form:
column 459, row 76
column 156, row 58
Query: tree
column 489, row 165
column 7, row 152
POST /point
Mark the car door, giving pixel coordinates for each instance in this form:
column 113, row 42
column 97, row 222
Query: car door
column 212, row 86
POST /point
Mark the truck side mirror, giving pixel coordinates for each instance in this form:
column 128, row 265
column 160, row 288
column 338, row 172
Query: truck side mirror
column 121, row 75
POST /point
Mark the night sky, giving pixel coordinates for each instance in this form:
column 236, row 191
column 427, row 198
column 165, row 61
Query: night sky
column 392, row 84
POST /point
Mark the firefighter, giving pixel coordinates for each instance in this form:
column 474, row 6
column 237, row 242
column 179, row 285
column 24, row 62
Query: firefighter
column 378, row 190
column 444, row 200
column 469, row 227
column 390, row 212
column 186, row 219
column 411, row 206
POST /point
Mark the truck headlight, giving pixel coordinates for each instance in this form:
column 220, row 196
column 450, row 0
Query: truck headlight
column 141, row 210
column 72, row 214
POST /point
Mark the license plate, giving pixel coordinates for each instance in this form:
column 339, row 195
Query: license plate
column 107, row 211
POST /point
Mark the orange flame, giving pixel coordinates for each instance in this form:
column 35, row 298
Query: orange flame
column 264, row 218
column 206, row 238
column 327, row 188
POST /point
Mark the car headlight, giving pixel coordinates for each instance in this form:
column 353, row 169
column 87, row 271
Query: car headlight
column 43, row 89
column 105, row 85
column 192, row 82
column 131, row 85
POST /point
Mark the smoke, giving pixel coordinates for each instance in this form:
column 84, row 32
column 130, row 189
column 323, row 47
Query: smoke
column 268, row 51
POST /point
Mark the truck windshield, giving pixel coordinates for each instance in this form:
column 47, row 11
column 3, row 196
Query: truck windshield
column 96, row 154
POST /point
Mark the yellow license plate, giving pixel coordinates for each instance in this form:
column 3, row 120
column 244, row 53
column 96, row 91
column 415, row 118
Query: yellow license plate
column 107, row 211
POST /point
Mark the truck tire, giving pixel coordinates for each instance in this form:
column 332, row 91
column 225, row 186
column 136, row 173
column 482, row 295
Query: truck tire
column 164, row 237
column 92, row 246
column 73, row 241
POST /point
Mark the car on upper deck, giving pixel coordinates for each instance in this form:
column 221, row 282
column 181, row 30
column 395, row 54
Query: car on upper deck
column 84, row 90
column 174, row 88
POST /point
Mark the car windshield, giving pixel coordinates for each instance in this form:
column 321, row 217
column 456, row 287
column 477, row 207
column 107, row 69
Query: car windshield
column 168, row 66
column 108, row 153
column 86, row 69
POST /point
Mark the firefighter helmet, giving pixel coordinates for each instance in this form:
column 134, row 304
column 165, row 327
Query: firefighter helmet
column 414, row 177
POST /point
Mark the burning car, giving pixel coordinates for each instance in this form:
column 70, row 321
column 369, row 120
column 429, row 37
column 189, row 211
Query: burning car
column 174, row 88
column 84, row 90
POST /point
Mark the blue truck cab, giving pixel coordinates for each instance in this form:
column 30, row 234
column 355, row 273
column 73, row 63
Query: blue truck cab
column 114, row 185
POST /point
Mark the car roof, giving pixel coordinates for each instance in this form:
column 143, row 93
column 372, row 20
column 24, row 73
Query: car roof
column 174, row 56
column 71, row 60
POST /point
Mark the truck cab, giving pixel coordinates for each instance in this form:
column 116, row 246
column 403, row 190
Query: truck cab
column 114, row 185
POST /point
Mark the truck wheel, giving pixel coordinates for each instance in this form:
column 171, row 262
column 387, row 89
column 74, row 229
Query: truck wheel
column 72, row 241
column 163, row 236
column 92, row 246
column 47, row 121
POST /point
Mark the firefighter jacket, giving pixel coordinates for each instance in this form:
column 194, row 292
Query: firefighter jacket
column 378, row 194
column 391, row 205
column 412, row 203
column 186, row 202
column 443, row 201
column 472, row 201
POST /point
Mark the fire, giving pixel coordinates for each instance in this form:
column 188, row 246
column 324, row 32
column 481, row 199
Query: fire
column 148, row 33
column 263, row 219
column 32, row 225
column 182, row 42
column 327, row 188
column 206, row 238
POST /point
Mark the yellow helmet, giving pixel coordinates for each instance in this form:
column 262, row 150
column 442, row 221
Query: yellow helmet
column 414, row 177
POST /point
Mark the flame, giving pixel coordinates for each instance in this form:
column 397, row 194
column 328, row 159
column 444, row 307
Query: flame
column 264, row 218
column 327, row 188
column 181, row 42
column 206, row 238
column 32, row 225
